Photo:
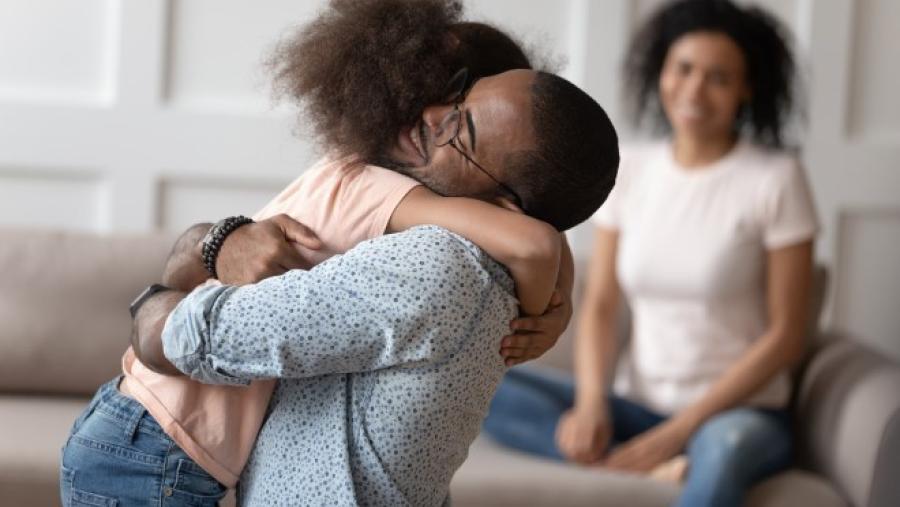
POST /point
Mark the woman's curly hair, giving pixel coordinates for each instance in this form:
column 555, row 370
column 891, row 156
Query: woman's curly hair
column 762, row 39
column 364, row 69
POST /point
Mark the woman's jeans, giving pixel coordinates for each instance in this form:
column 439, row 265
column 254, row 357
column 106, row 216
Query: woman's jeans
column 727, row 455
column 117, row 455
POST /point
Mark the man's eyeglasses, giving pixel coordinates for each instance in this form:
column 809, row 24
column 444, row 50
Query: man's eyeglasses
column 451, row 125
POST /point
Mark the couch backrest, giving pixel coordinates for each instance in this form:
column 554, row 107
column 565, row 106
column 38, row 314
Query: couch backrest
column 64, row 298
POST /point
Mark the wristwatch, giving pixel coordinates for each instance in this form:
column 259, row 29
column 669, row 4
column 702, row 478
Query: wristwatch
column 145, row 295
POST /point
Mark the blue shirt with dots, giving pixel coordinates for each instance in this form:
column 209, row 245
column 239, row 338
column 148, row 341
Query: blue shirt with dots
column 388, row 355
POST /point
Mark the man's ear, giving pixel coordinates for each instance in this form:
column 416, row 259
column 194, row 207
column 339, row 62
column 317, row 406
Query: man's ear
column 507, row 203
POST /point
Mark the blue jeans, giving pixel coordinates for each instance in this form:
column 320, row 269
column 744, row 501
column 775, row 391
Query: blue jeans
column 728, row 454
column 117, row 455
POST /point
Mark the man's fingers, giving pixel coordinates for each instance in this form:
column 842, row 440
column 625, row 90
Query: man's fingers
column 297, row 232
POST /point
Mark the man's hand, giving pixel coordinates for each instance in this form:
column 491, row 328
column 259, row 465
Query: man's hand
column 583, row 434
column 651, row 448
column 535, row 335
column 265, row 248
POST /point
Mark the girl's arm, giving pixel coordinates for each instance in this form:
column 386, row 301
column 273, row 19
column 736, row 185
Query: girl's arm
column 529, row 248
column 531, row 337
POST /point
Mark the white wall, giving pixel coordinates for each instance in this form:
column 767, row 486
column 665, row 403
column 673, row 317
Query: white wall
column 130, row 115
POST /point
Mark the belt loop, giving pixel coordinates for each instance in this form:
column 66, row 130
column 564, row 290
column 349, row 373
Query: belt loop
column 131, row 425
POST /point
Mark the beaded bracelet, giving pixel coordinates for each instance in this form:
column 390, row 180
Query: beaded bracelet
column 213, row 240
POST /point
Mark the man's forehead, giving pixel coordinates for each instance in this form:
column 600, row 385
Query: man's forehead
column 504, row 97
column 510, row 82
column 501, row 113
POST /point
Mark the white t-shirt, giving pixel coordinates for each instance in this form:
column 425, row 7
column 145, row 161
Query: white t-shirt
column 691, row 261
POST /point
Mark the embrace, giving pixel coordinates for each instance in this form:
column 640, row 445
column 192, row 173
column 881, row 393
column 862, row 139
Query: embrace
column 344, row 347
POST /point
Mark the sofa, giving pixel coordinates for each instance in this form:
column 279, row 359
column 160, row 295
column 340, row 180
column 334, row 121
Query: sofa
column 64, row 324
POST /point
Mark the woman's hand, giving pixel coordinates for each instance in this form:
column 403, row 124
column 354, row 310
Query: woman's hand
column 532, row 336
column 265, row 248
column 583, row 434
column 651, row 448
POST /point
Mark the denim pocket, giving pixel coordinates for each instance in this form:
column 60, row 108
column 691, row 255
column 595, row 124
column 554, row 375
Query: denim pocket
column 192, row 479
column 83, row 498
column 73, row 497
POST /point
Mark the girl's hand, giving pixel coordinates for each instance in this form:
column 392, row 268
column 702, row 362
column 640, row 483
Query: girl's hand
column 532, row 336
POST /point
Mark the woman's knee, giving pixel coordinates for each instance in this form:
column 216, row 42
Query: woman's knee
column 740, row 436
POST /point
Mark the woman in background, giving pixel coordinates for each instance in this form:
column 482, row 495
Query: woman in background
column 709, row 235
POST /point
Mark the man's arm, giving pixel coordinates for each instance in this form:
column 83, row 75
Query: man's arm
column 184, row 268
column 249, row 254
column 183, row 271
column 402, row 299
column 147, row 331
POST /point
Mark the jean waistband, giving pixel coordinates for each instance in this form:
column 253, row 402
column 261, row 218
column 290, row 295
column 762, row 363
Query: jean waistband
column 112, row 403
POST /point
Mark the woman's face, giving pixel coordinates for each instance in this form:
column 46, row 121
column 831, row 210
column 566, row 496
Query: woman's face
column 702, row 84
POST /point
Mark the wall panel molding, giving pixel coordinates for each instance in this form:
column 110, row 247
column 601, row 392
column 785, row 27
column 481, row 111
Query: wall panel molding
column 58, row 52
column 184, row 201
column 868, row 279
column 52, row 198
column 874, row 73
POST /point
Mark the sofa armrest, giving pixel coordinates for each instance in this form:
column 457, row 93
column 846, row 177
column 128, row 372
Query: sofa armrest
column 847, row 414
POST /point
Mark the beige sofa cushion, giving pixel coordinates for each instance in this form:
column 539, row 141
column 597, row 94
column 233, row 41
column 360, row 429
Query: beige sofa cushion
column 495, row 477
column 64, row 306
column 35, row 429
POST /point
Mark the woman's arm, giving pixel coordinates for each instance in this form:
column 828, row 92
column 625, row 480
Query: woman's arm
column 789, row 276
column 584, row 431
column 529, row 248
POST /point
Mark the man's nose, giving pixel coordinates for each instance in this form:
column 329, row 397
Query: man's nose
column 434, row 115
column 437, row 122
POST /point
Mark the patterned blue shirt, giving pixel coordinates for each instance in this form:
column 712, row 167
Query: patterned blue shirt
column 389, row 357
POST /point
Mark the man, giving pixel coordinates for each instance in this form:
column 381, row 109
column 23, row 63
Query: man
column 387, row 354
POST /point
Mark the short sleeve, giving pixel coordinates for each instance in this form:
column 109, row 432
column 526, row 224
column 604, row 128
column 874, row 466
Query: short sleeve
column 342, row 201
column 789, row 215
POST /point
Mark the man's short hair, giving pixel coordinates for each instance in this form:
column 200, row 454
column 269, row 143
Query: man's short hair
column 573, row 167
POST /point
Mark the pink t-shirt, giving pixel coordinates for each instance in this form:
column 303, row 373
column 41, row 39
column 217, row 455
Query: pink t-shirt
column 344, row 203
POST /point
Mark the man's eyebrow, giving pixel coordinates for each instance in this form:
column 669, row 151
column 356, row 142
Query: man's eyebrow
column 471, row 130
